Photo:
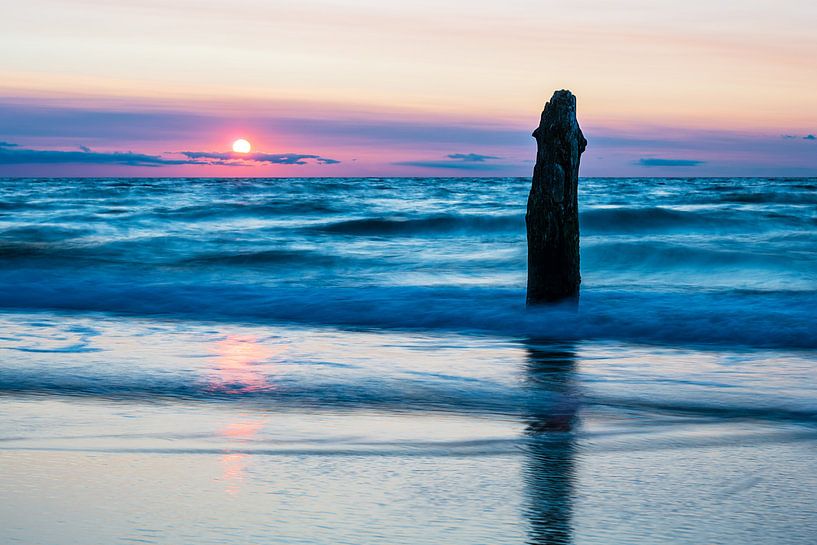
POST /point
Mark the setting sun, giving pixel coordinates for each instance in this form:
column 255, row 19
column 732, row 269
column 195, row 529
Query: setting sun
column 241, row 146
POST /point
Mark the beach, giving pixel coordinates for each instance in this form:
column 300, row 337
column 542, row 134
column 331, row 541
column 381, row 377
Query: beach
column 351, row 361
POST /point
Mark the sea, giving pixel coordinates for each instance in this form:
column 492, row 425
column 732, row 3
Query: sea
column 350, row 361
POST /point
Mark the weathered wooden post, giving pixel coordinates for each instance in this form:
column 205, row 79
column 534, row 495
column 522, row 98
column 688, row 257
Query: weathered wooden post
column 553, row 206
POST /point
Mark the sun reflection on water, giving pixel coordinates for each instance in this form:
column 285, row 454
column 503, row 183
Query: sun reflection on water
column 243, row 366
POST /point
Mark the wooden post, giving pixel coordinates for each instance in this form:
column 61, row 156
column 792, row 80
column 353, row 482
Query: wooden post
column 552, row 218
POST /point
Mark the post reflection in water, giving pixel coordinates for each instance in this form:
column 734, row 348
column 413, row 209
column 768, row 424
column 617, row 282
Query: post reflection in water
column 549, row 467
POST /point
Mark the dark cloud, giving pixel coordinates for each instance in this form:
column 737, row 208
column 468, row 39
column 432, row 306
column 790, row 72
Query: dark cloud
column 457, row 161
column 7, row 145
column 13, row 155
column 793, row 137
column 472, row 157
column 267, row 158
column 207, row 155
column 454, row 165
column 656, row 162
column 135, row 126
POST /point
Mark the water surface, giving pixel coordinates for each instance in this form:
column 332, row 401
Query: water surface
column 349, row 361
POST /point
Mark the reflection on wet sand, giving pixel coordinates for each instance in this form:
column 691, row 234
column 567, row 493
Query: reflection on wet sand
column 234, row 464
column 549, row 467
column 239, row 370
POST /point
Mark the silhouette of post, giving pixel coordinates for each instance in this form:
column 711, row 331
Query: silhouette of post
column 552, row 218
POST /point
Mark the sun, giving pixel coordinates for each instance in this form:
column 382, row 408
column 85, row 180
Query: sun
column 242, row 146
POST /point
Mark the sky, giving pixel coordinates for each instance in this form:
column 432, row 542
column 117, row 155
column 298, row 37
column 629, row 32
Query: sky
column 421, row 88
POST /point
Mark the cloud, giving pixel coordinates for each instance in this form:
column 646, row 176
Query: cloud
column 454, row 165
column 13, row 155
column 657, row 162
column 267, row 158
column 794, row 137
column 456, row 161
column 389, row 136
column 472, row 157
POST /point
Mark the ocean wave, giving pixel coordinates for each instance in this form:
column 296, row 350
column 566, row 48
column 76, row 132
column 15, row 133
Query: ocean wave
column 660, row 256
column 42, row 233
column 263, row 257
column 728, row 317
column 436, row 223
column 23, row 205
column 382, row 394
column 804, row 196
column 651, row 219
column 541, row 405
column 153, row 254
column 599, row 220
column 787, row 254
column 11, row 251
column 220, row 210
